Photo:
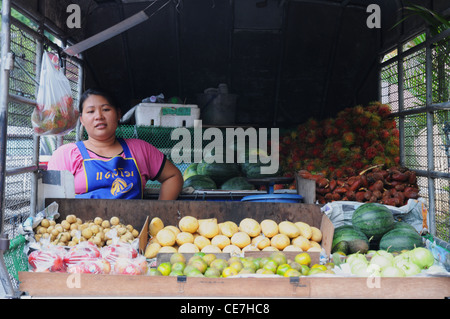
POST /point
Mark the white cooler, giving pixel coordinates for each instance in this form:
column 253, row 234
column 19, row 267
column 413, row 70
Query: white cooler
column 166, row 115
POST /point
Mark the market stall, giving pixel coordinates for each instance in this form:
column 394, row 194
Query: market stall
column 314, row 164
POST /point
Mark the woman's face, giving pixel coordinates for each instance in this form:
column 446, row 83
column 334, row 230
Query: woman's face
column 99, row 118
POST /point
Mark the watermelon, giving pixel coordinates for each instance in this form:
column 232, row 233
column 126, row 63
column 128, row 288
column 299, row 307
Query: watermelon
column 237, row 183
column 191, row 170
column 218, row 172
column 399, row 239
column 253, row 170
column 404, row 225
column 200, row 182
column 373, row 219
column 349, row 240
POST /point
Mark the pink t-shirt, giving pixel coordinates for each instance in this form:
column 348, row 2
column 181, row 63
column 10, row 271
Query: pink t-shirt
column 149, row 159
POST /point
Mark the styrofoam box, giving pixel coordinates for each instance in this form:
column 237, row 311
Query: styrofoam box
column 151, row 114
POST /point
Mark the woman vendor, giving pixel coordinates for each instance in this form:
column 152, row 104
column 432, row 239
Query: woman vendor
column 105, row 166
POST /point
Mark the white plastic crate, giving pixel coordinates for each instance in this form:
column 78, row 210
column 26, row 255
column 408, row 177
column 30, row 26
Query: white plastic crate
column 166, row 115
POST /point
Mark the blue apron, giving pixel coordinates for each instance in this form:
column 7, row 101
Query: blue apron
column 115, row 178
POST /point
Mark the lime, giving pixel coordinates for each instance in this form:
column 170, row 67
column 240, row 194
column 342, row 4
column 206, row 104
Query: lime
column 177, row 257
column 237, row 265
column 178, row 266
column 318, row 266
column 165, row 268
column 229, row 271
column 292, row 273
column 282, row 269
column 303, row 259
column 271, row 265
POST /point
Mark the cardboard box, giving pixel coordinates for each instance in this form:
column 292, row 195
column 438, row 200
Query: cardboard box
column 309, row 214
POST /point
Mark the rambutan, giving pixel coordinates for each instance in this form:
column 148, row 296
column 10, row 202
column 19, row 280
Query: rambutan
column 384, row 110
column 343, row 153
column 378, row 160
column 370, row 152
column 358, row 110
column 348, row 138
column 384, row 134
column 395, row 132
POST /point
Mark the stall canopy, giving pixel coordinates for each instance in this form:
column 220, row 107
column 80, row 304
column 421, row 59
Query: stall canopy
column 287, row 60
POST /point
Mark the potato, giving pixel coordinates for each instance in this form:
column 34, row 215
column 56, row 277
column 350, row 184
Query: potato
column 106, row 224
column 45, row 223
column 86, row 233
column 114, row 221
column 71, row 219
column 152, row 250
column 98, row 221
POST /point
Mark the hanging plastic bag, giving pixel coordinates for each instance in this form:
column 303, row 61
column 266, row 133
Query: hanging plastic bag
column 54, row 113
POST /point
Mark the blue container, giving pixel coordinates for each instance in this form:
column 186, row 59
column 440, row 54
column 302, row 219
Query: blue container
column 275, row 198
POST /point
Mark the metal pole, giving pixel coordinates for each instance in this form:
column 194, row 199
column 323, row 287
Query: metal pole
column 36, row 138
column 6, row 65
column 430, row 146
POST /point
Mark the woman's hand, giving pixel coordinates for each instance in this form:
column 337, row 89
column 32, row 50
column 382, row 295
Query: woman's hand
column 171, row 182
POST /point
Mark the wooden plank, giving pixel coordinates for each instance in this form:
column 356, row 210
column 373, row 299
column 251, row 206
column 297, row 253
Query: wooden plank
column 380, row 288
column 135, row 212
column 83, row 285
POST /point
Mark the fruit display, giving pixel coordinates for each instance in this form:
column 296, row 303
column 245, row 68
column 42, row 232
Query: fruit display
column 209, row 265
column 356, row 138
column 381, row 263
column 72, row 230
column 393, row 186
column 193, row 235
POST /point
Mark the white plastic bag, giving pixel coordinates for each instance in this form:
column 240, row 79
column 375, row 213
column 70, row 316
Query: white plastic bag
column 54, row 113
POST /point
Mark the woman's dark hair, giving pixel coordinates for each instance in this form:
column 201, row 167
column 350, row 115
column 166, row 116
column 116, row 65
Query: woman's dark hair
column 96, row 91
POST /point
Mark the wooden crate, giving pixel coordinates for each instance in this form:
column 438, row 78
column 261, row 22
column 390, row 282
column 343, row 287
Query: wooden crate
column 137, row 212
column 88, row 285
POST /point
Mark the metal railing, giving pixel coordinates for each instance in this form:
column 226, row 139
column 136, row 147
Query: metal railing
column 416, row 83
column 22, row 48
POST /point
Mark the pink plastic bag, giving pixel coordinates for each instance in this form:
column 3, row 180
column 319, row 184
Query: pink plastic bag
column 55, row 113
